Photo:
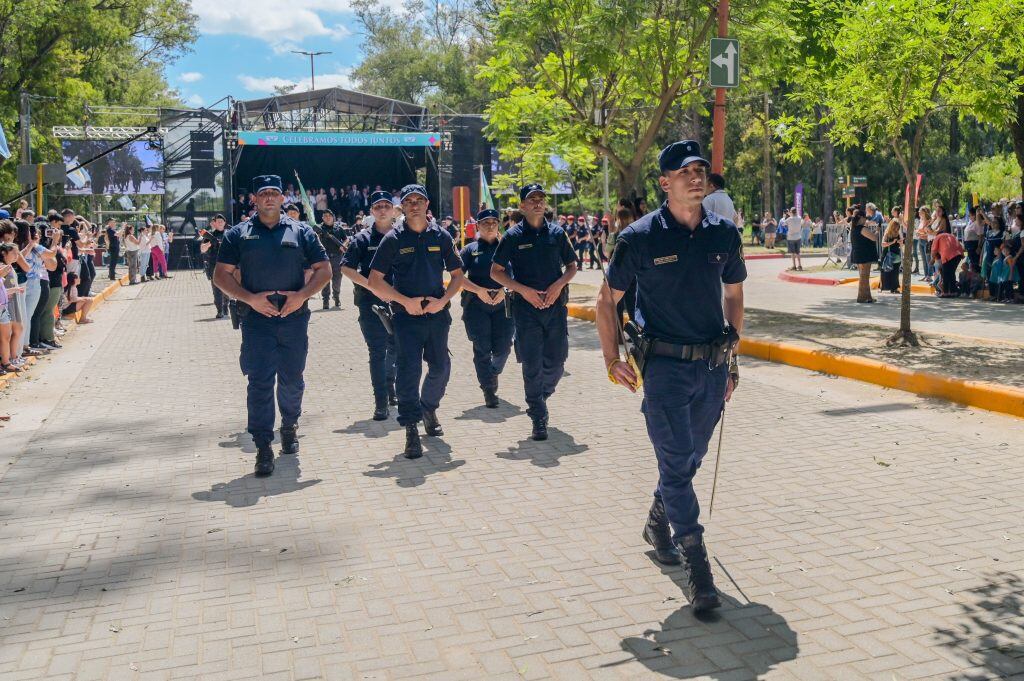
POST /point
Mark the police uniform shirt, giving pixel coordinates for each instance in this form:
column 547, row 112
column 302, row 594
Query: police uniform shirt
column 477, row 257
column 679, row 274
column 534, row 257
column 262, row 253
column 359, row 255
column 416, row 261
column 214, row 238
column 332, row 238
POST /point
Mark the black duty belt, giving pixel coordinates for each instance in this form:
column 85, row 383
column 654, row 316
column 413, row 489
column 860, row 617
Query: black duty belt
column 686, row 352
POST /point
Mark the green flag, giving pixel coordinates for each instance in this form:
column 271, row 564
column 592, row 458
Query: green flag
column 310, row 213
column 485, row 191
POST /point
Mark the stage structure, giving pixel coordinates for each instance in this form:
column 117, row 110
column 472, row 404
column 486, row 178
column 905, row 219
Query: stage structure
column 336, row 138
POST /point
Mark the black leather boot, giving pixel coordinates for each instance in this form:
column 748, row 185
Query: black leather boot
column 491, row 398
column 540, row 428
column 700, row 585
column 431, row 424
column 289, row 440
column 264, row 460
column 392, row 395
column 380, row 408
column 413, row 448
column 658, row 534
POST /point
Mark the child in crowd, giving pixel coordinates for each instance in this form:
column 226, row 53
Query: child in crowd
column 8, row 254
column 999, row 275
column 75, row 302
column 970, row 281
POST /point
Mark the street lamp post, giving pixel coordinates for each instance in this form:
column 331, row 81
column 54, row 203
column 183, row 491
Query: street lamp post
column 312, row 73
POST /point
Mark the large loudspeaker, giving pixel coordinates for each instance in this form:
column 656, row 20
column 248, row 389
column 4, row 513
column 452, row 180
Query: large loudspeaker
column 470, row 152
column 203, row 173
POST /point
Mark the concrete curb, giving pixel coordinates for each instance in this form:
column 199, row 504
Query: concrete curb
column 6, row 379
column 819, row 281
column 989, row 396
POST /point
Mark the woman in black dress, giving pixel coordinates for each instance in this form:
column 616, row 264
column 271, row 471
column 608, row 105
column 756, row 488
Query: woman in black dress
column 863, row 236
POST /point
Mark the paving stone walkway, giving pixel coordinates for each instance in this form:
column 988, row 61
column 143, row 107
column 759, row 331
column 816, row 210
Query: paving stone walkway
column 858, row 533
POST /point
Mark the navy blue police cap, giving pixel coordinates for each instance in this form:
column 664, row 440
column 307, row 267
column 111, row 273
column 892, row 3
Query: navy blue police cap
column 681, row 154
column 261, row 182
column 487, row 214
column 292, row 206
column 531, row 188
column 377, row 197
column 410, row 189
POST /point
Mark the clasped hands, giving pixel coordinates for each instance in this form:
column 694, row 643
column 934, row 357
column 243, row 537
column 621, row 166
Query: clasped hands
column 261, row 303
column 421, row 305
column 542, row 299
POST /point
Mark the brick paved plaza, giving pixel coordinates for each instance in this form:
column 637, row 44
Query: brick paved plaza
column 858, row 533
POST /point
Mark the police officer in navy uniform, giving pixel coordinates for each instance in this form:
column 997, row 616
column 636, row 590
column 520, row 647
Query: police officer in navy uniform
column 273, row 253
column 333, row 238
column 483, row 307
column 415, row 253
column 529, row 262
column 209, row 247
column 356, row 266
column 681, row 257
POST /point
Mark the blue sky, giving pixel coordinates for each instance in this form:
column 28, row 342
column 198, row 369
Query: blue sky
column 243, row 48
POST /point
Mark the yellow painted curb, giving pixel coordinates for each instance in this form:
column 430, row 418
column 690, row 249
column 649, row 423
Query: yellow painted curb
column 876, row 284
column 990, row 396
column 100, row 297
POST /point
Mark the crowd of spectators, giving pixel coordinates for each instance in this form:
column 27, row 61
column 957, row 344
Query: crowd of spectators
column 47, row 268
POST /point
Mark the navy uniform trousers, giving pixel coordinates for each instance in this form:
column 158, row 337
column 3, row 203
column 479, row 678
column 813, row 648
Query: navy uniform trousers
column 490, row 332
column 274, row 348
column 542, row 346
column 421, row 339
column 381, row 346
column 682, row 404
column 335, row 282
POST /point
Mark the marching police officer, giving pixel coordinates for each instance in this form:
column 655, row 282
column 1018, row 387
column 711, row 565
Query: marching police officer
column 273, row 253
column 483, row 307
column 415, row 253
column 680, row 257
column 333, row 238
column 210, row 247
column 379, row 341
column 529, row 262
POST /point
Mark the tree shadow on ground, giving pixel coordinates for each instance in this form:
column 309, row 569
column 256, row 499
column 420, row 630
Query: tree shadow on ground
column 370, row 428
column 437, row 458
column 504, row 412
column 990, row 631
column 739, row 641
column 544, row 454
column 248, row 489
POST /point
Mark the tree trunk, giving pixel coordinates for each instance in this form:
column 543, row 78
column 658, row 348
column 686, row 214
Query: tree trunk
column 954, row 151
column 766, row 181
column 1017, row 134
column 828, row 174
column 905, row 335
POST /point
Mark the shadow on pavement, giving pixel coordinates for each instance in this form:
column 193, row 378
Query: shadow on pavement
column 241, row 441
column 370, row 428
column 437, row 458
column 990, row 631
column 504, row 412
column 544, row 454
column 248, row 489
column 873, row 409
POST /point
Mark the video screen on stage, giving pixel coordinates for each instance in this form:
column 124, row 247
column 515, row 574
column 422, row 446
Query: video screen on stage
column 136, row 168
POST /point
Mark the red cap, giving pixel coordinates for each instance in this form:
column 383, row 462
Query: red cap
column 569, row 217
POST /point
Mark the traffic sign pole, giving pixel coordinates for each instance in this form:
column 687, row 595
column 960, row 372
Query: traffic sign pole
column 718, row 131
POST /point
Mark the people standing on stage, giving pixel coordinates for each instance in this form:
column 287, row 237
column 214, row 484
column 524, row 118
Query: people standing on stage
column 483, row 307
column 380, row 342
column 210, row 248
column 536, row 262
column 333, row 238
column 687, row 265
column 415, row 253
column 273, row 253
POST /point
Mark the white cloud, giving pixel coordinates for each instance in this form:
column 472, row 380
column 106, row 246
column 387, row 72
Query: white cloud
column 190, row 77
column 272, row 21
column 341, row 78
column 195, row 101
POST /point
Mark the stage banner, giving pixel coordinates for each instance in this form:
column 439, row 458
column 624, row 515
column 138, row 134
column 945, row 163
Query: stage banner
column 339, row 139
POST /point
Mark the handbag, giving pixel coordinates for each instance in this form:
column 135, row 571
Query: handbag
column 887, row 263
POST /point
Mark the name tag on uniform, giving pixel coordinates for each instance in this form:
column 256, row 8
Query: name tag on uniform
column 664, row 260
column 522, row 246
column 289, row 244
column 716, row 258
column 372, row 248
column 410, row 249
column 434, row 249
column 248, row 237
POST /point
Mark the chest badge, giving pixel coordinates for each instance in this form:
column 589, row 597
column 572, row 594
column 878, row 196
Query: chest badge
column 250, row 237
column 434, row 249
column 716, row 258
column 408, row 249
column 664, row 260
column 525, row 246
